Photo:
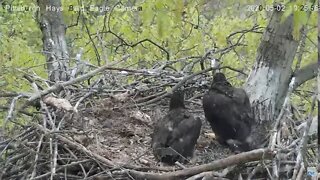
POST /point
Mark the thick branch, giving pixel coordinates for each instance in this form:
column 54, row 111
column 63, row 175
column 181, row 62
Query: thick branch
column 242, row 158
column 86, row 76
column 306, row 73
column 77, row 146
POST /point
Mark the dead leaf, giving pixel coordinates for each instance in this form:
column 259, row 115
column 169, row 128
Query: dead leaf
column 210, row 135
column 138, row 115
column 121, row 97
column 58, row 103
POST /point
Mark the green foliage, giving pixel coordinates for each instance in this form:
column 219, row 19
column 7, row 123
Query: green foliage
column 301, row 97
column 300, row 10
column 182, row 28
column 20, row 45
column 177, row 27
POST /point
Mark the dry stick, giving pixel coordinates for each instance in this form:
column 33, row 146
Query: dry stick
column 74, row 156
column 79, row 79
column 51, row 159
column 91, row 154
column 273, row 137
column 254, row 171
column 255, row 155
column 185, row 79
column 77, row 146
column 149, row 97
column 42, row 176
column 33, row 174
column 55, row 158
column 211, row 175
column 81, row 99
column 11, row 109
column 301, row 172
column 86, row 95
column 302, row 147
column 272, row 141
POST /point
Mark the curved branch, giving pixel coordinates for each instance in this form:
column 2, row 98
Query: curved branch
column 93, row 44
column 304, row 74
column 147, row 40
column 254, row 155
column 182, row 82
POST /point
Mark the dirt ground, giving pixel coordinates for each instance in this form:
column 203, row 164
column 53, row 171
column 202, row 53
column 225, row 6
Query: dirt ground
column 124, row 135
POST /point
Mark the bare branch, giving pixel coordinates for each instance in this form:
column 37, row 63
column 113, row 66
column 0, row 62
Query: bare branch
column 301, row 161
column 255, row 155
column 306, row 73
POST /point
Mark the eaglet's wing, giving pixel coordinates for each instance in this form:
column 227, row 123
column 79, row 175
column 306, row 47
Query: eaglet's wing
column 187, row 129
column 243, row 106
column 162, row 131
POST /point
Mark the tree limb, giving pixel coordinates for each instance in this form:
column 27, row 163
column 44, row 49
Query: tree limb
column 255, row 155
column 86, row 76
column 304, row 74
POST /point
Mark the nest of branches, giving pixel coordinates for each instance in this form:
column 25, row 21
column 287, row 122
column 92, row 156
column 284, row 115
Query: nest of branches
column 101, row 130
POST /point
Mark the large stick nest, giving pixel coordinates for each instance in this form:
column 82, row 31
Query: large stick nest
column 102, row 131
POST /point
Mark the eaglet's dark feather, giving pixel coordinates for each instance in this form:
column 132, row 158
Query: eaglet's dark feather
column 228, row 111
column 176, row 134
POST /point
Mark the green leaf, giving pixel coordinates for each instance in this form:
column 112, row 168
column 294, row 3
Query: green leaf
column 160, row 23
column 300, row 19
column 178, row 11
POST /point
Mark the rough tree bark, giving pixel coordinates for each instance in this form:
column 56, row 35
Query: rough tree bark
column 269, row 80
column 318, row 78
column 54, row 43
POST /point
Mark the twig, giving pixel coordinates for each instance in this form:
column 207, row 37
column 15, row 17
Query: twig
column 76, row 80
column 33, row 174
column 86, row 95
column 204, row 175
column 77, row 146
column 178, row 85
column 300, row 161
column 11, row 109
column 62, row 167
column 273, row 137
column 74, row 156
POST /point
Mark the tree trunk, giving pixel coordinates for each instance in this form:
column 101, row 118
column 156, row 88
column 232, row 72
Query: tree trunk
column 54, row 43
column 318, row 77
column 268, row 82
